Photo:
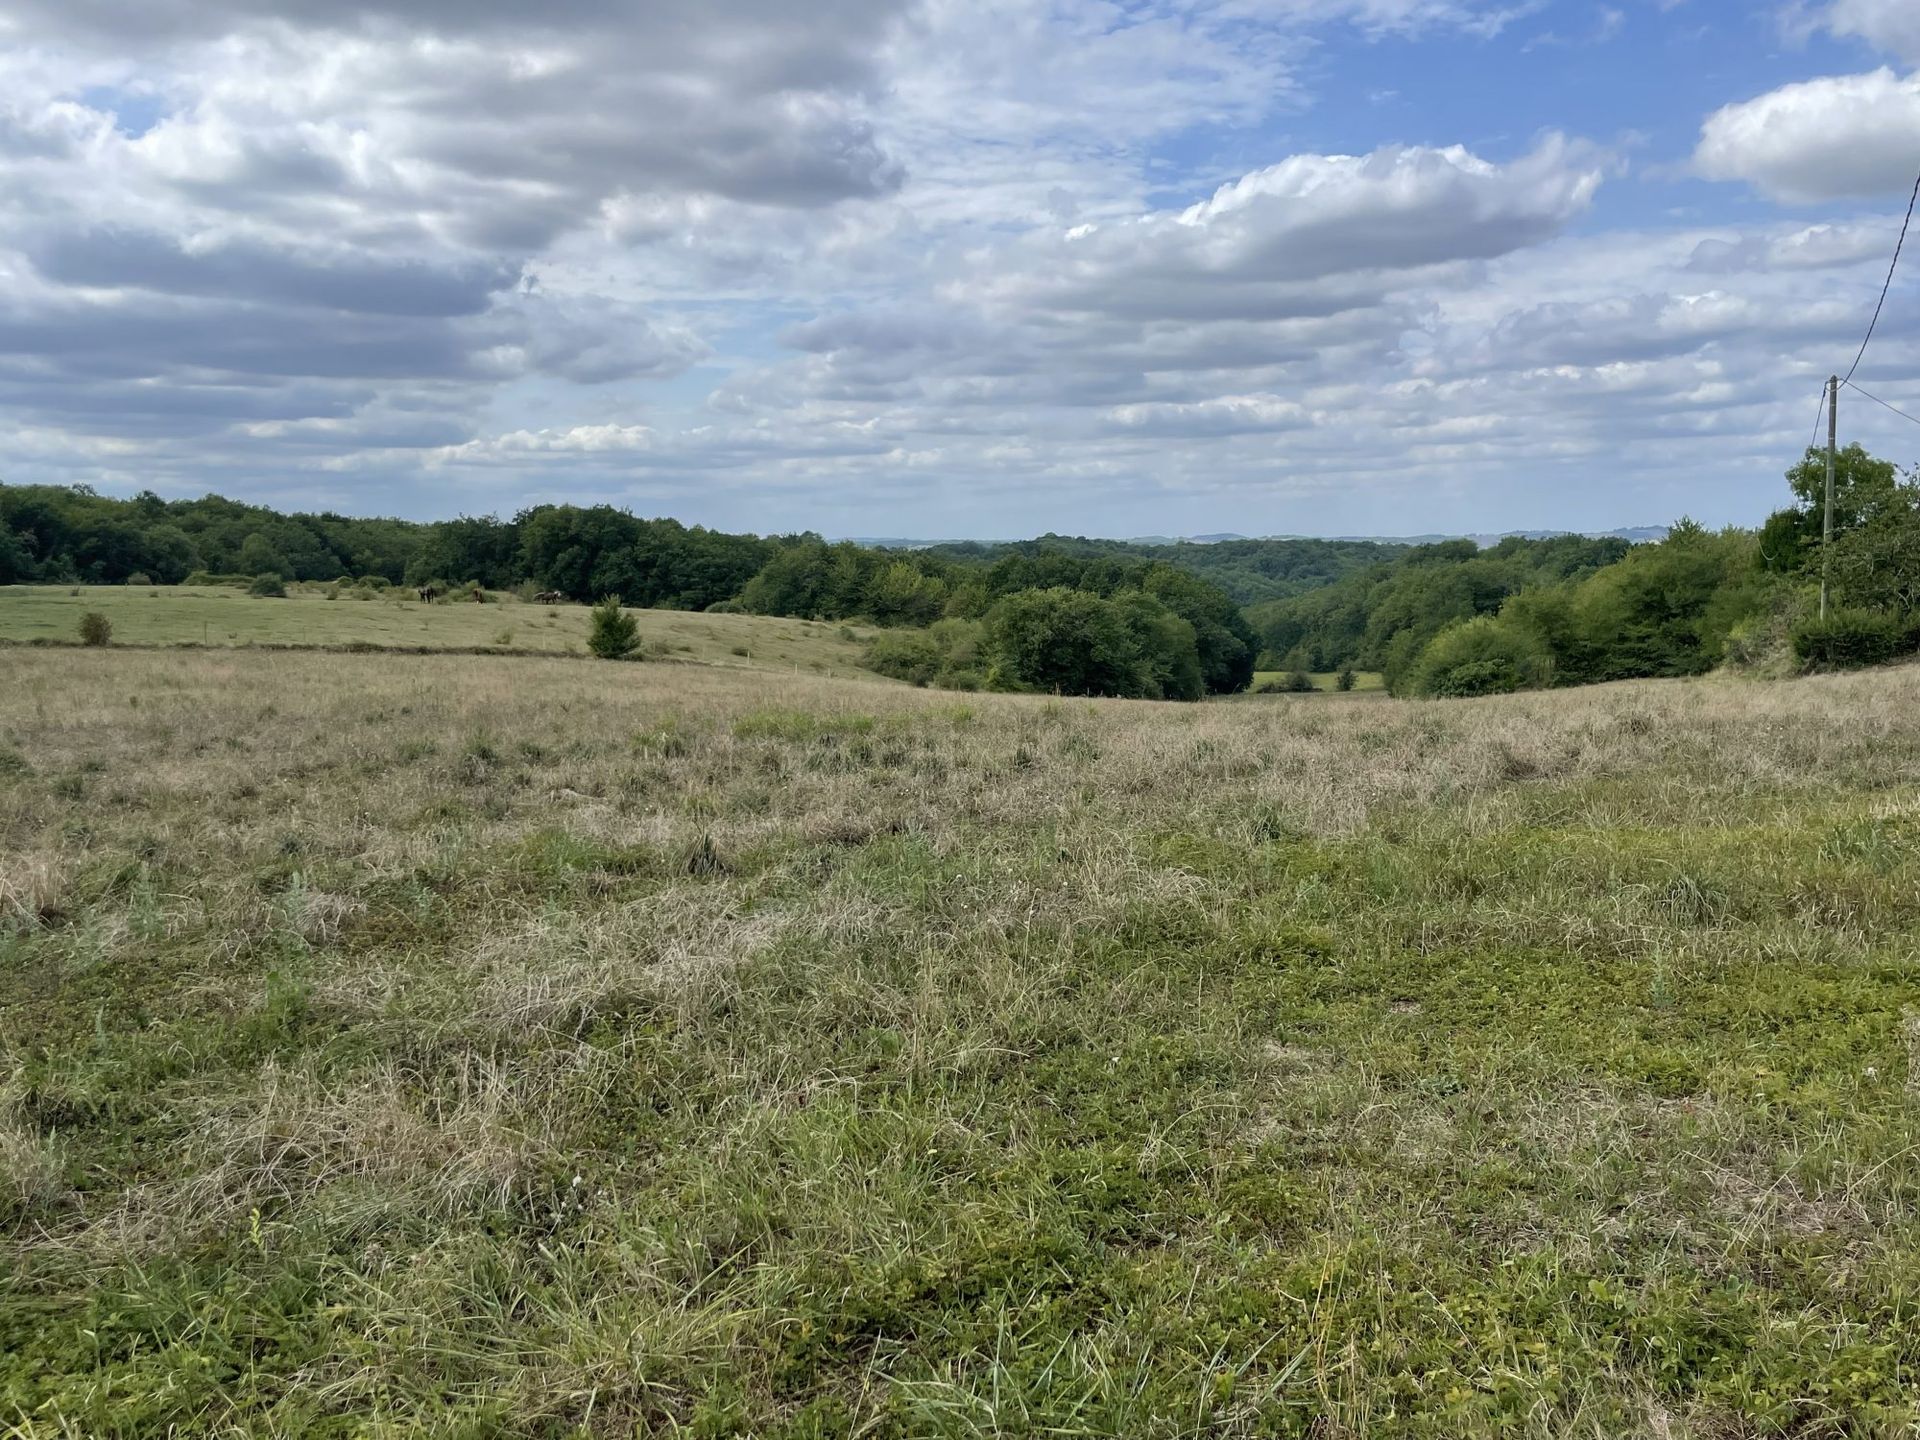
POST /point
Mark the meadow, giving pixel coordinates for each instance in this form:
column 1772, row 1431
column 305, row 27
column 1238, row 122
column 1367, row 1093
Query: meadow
column 463, row 1046
column 220, row 615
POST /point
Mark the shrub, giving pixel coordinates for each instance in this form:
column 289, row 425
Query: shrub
column 1343, row 682
column 268, row 586
column 1074, row 642
column 1849, row 638
column 376, row 582
column 613, row 634
column 1481, row 656
column 947, row 654
column 139, row 577
column 208, row 577
column 910, row 655
column 95, row 628
column 1294, row 682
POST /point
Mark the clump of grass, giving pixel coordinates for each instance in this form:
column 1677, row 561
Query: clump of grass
column 799, row 725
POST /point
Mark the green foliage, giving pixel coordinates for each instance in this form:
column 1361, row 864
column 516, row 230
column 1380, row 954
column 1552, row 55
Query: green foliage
column 1072, row 642
column 268, row 586
column 612, row 634
column 1344, row 681
column 1665, row 609
column 1293, row 682
column 599, row 550
column 813, row 580
column 1381, row 617
column 1246, row 571
column 95, row 629
column 947, row 654
column 1847, row 639
column 1481, row 656
column 1876, row 562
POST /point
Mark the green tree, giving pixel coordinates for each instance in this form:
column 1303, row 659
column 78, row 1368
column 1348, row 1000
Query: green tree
column 258, row 556
column 898, row 594
column 1876, row 563
column 1063, row 641
column 612, row 633
column 1481, row 656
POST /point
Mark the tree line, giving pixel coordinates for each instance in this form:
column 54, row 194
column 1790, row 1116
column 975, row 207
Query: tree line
column 1453, row 619
column 1093, row 622
column 1093, row 617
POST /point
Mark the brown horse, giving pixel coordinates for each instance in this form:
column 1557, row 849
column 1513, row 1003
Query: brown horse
column 430, row 593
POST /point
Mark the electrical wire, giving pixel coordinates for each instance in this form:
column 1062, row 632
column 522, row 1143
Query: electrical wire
column 1878, row 401
column 1819, row 414
column 1898, row 247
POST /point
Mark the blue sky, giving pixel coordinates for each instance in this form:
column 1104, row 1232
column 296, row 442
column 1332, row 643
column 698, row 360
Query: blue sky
column 955, row 267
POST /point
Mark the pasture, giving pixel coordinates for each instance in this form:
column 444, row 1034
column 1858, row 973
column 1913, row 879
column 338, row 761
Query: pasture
column 464, row 1046
column 218, row 615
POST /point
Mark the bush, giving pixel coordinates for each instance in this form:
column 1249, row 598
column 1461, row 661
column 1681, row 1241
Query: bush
column 1850, row 638
column 376, row 582
column 268, row 586
column 1481, row 656
column 139, row 577
column 614, row 634
column 95, row 628
column 1073, row 642
column 1343, row 682
column 208, row 577
column 1294, row 682
column 909, row 655
column 947, row 654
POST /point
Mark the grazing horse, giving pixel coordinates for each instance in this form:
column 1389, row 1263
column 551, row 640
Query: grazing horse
column 429, row 592
column 549, row 597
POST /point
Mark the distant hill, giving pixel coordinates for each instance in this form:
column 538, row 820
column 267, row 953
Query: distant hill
column 1632, row 534
column 1485, row 539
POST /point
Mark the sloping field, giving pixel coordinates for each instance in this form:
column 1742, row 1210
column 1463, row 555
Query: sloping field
column 219, row 615
column 462, row 1046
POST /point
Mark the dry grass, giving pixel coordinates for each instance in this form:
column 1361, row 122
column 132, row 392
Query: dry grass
column 460, row 1045
column 222, row 616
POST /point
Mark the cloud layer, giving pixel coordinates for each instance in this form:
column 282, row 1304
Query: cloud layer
column 838, row 264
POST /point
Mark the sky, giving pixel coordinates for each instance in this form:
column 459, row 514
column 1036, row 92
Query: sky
column 956, row 268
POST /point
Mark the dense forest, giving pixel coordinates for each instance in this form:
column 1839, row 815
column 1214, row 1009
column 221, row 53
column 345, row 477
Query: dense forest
column 1101, row 617
column 1249, row 571
column 1453, row 619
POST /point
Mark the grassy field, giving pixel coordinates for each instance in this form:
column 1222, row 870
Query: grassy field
column 460, row 1046
column 223, row 615
column 1363, row 680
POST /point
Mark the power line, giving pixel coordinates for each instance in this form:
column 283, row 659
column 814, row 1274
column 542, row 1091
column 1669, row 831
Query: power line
column 1878, row 401
column 1898, row 247
column 1819, row 414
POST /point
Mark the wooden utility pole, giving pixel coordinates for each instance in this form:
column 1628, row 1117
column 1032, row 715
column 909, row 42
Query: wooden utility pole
column 1826, row 525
